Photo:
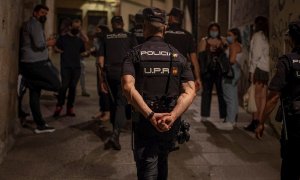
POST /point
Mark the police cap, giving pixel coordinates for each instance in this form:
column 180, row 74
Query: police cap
column 139, row 18
column 294, row 29
column 154, row 15
column 176, row 12
column 117, row 19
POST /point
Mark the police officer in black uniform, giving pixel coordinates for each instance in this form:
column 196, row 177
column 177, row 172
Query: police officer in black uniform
column 113, row 50
column 183, row 41
column 138, row 28
column 285, row 86
column 159, row 84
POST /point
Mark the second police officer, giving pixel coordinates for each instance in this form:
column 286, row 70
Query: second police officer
column 183, row 41
column 158, row 82
column 285, row 86
column 112, row 52
column 137, row 30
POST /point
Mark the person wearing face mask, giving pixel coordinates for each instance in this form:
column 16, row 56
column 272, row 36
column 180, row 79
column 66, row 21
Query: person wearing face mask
column 71, row 47
column 211, row 54
column 35, row 66
column 230, row 80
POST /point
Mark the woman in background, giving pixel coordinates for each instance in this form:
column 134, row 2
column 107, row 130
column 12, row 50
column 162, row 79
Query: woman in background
column 230, row 82
column 210, row 50
column 259, row 67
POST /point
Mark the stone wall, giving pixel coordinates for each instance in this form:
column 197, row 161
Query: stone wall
column 281, row 13
column 11, row 17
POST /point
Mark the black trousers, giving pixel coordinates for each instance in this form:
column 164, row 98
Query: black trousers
column 208, row 80
column 151, row 157
column 118, row 107
column 21, row 92
column 69, row 78
column 39, row 75
column 104, row 99
column 290, row 150
column 290, row 154
column 151, row 149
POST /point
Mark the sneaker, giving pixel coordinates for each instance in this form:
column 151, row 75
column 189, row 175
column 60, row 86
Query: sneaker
column 44, row 129
column 57, row 111
column 70, row 112
column 226, row 126
column 252, row 126
column 85, row 94
column 204, row 119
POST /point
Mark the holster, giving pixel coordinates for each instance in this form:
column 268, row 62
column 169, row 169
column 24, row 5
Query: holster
column 295, row 107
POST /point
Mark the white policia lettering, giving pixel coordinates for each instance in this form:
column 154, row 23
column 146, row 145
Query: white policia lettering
column 296, row 61
column 174, row 32
column 156, row 70
column 139, row 34
column 298, row 74
column 116, row 36
column 156, row 53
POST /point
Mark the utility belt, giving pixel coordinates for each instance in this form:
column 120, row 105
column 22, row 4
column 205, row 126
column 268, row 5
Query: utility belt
column 294, row 108
column 161, row 105
column 289, row 107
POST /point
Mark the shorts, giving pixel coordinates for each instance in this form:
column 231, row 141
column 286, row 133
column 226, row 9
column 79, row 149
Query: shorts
column 260, row 76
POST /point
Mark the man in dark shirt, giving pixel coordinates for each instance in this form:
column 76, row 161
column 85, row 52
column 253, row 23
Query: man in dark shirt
column 70, row 46
column 183, row 41
column 285, row 86
column 115, row 46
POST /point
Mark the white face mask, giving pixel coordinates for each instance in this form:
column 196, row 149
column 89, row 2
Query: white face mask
column 213, row 34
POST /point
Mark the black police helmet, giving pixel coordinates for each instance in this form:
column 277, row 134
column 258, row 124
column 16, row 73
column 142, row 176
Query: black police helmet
column 294, row 30
column 117, row 19
column 176, row 12
column 154, row 15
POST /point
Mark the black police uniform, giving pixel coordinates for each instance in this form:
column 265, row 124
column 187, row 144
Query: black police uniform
column 150, row 64
column 138, row 30
column 287, row 81
column 114, row 48
column 181, row 39
column 138, row 33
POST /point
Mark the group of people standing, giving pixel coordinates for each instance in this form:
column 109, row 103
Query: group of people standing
column 218, row 64
column 215, row 52
column 129, row 64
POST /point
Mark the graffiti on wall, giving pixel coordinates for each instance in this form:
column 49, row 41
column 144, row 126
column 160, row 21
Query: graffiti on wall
column 244, row 11
column 282, row 12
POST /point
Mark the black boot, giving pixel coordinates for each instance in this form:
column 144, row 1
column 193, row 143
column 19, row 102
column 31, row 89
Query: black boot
column 114, row 140
column 252, row 126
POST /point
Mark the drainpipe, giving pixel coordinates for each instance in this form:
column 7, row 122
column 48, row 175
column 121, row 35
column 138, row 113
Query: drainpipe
column 217, row 11
column 229, row 13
